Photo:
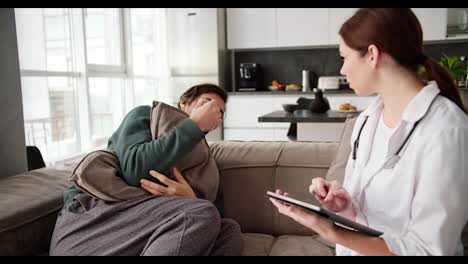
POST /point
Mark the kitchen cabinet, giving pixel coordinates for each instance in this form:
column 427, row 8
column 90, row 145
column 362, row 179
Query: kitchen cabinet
column 241, row 118
column 457, row 23
column 337, row 17
column 327, row 132
column 433, row 22
column 251, row 28
column 248, row 134
column 302, row 26
column 243, row 111
column 256, row 134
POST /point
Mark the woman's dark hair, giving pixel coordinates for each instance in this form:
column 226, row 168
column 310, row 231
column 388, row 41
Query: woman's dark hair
column 397, row 32
column 193, row 92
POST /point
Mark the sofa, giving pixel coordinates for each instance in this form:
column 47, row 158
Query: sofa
column 30, row 201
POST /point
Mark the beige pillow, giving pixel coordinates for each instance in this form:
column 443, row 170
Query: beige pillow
column 198, row 166
column 99, row 175
column 338, row 167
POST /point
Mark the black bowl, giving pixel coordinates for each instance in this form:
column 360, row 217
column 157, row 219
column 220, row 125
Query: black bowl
column 290, row 108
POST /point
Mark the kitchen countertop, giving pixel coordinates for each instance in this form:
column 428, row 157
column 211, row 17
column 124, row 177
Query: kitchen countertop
column 338, row 91
column 330, row 92
column 302, row 116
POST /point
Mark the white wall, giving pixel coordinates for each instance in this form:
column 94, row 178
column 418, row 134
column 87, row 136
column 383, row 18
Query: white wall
column 12, row 143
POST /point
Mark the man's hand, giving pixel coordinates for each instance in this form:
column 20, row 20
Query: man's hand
column 207, row 115
column 179, row 187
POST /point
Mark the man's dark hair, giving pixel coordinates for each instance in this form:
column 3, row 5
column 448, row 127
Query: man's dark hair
column 193, row 92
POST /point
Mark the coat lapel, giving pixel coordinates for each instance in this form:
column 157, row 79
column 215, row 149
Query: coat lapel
column 415, row 110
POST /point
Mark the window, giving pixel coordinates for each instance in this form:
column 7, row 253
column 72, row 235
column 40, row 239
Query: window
column 144, row 91
column 82, row 70
column 49, row 81
column 104, row 37
column 106, row 112
column 49, row 106
column 144, row 70
column 44, row 39
column 143, row 41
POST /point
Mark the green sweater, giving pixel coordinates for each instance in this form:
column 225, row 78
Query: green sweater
column 138, row 153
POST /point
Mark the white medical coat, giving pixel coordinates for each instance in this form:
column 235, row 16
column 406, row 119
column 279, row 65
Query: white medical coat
column 421, row 204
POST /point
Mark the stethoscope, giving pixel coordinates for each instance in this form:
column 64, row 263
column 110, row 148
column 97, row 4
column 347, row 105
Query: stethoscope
column 391, row 162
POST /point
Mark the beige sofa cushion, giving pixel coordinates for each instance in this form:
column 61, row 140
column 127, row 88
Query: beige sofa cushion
column 300, row 246
column 338, row 166
column 249, row 169
column 256, row 244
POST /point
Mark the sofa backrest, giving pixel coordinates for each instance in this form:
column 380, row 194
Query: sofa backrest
column 249, row 169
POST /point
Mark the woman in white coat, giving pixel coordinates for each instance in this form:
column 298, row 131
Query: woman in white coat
column 407, row 175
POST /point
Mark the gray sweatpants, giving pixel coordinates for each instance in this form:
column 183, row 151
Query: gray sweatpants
column 164, row 225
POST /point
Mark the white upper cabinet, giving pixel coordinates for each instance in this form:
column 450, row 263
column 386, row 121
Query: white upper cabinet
column 337, row 17
column 433, row 22
column 302, row 26
column 251, row 28
column 457, row 23
column 193, row 41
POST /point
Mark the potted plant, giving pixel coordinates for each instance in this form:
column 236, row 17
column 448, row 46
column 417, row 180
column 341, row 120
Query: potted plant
column 457, row 68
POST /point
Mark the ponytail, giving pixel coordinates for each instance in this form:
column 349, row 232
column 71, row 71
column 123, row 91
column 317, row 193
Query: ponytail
column 445, row 82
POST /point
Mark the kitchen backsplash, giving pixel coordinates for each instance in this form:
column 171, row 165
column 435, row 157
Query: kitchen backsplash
column 286, row 65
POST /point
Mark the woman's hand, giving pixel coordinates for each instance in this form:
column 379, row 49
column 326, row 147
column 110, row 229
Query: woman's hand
column 179, row 187
column 356, row 241
column 322, row 226
column 333, row 196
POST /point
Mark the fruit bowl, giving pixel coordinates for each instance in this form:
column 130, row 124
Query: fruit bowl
column 347, row 107
column 290, row 108
column 293, row 87
column 273, row 88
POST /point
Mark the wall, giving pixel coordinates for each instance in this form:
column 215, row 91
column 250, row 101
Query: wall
column 12, row 143
column 286, row 65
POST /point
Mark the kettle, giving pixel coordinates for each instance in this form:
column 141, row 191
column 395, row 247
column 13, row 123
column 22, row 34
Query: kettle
column 320, row 103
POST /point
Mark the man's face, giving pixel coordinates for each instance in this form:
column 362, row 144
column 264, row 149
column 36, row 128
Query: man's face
column 202, row 99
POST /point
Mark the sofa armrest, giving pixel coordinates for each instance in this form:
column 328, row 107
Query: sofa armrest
column 30, row 203
column 249, row 169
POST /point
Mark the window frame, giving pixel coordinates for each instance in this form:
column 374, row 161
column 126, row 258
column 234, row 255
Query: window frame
column 82, row 71
column 98, row 70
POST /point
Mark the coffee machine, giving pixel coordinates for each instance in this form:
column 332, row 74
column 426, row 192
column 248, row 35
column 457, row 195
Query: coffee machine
column 251, row 77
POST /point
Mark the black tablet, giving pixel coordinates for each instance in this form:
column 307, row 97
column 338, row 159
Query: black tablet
column 338, row 219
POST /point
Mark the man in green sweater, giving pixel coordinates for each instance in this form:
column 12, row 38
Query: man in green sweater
column 174, row 221
column 138, row 154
